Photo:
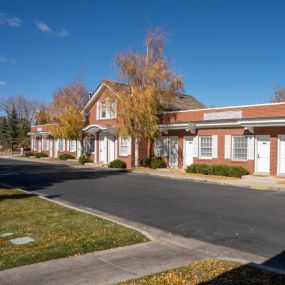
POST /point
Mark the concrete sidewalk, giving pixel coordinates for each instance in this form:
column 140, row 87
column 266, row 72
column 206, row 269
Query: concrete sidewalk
column 251, row 181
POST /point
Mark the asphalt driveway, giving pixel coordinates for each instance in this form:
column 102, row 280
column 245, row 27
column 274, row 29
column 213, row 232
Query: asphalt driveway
column 240, row 218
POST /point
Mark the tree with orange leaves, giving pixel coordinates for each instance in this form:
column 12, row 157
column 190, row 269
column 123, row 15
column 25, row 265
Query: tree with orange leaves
column 66, row 111
column 152, row 86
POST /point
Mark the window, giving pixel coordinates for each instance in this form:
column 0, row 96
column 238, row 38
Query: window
column 60, row 145
column 89, row 145
column 124, row 146
column 158, row 147
column 45, row 144
column 239, row 148
column 206, row 147
column 72, row 146
column 35, row 144
column 107, row 109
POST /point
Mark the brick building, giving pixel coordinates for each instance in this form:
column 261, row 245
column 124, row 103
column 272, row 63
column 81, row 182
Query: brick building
column 252, row 136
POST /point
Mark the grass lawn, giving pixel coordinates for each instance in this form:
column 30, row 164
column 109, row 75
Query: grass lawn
column 57, row 231
column 212, row 272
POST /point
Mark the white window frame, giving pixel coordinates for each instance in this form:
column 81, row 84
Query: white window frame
column 233, row 149
column 200, row 147
column 159, row 147
column 110, row 112
column 125, row 140
column 45, row 144
column 35, row 144
column 72, row 146
column 61, row 145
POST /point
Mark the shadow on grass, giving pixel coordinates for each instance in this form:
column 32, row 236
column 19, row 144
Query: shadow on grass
column 15, row 196
column 270, row 273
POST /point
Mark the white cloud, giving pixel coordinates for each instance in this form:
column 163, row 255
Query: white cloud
column 11, row 21
column 3, row 83
column 4, row 59
column 44, row 28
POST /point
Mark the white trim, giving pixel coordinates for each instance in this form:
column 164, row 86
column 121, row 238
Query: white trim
column 199, row 148
column 95, row 95
column 256, row 154
column 222, row 108
column 227, row 124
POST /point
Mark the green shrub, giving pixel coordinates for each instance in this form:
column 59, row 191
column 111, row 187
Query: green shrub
column 66, row 156
column 83, row 159
column 40, row 154
column 29, row 153
column 146, row 162
column 117, row 163
column 157, row 163
column 221, row 170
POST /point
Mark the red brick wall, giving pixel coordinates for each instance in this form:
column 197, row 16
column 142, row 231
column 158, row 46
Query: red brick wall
column 277, row 110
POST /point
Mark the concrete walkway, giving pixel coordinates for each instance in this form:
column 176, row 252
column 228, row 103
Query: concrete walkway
column 251, row 181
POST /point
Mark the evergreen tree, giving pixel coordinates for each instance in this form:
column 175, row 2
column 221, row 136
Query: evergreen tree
column 4, row 140
column 13, row 128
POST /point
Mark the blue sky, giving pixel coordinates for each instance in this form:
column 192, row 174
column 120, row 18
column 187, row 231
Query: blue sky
column 230, row 52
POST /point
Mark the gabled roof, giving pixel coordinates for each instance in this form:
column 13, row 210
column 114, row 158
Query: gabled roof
column 181, row 102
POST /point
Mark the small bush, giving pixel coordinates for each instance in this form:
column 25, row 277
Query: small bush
column 66, row 156
column 117, row 163
column 221, row 170
column 83, row 159
column 29, row 153
column 146, row 162
column 157, row 163
column 40, row 154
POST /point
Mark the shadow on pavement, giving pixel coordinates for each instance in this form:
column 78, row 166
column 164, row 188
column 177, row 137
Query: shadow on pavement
column 34, row 177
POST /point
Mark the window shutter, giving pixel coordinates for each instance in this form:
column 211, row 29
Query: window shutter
column 195, row 146
column 250, row 147
column 97, row 110
column 63, row 144
column 67, row 145
column 228, row 146
column 130, row 145
column 215, row 146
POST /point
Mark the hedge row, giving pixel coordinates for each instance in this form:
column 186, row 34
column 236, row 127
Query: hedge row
column 66, row 156
column 221, row 170
column 154, row 162
column 117, row 163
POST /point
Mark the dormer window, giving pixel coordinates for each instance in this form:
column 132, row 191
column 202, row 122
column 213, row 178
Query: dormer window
column 106, row 109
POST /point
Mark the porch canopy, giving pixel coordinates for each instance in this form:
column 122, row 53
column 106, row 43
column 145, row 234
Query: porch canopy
column 38, row 134
column 95, row 128
column 248, row 124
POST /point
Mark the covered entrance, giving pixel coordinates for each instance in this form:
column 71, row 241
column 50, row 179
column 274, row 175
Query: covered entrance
column 106, row 142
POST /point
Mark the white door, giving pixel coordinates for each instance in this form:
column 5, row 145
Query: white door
column 56, row 142
column 111, row 148
column 102, row 148
column 282, row 154
column 263, row 154
column 173, row 152
column 188, row 150
column 50, row 148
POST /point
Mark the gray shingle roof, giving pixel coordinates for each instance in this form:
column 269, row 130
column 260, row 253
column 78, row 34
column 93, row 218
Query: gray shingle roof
column 181, row 102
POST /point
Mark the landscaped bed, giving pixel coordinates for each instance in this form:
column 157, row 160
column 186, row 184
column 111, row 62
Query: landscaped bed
column 57, row 231
column 211, row 272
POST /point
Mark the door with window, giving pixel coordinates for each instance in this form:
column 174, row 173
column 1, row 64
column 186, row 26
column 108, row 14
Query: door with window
column 263, row 154
column 111, row 147
column 102, row 148
column 173, row 152
column 188, row 150
column 51, row 142
column 282, row 154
